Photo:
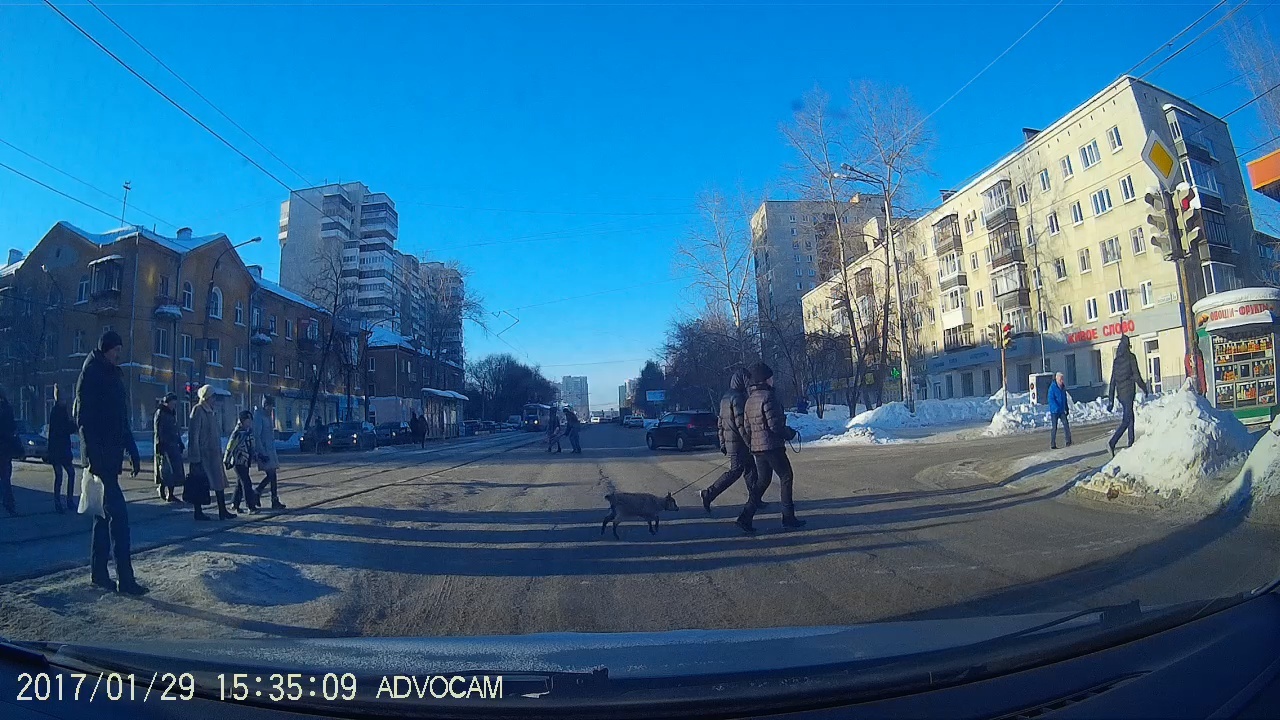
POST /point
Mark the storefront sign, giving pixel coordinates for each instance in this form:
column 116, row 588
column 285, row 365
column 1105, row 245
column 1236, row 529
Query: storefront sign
column 1109, row 330
column 1236, row 311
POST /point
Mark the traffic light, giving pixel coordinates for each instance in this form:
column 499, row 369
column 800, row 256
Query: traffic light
column 1190, row 220
column 1006, row 335
column 1158, row 221
column 191, row 390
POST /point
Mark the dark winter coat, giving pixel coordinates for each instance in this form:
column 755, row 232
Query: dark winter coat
column 733, row 420
column 60, row 431
column 571, row 421
column 766, row 423
column 101, row 412
column 1126, row 376
column 10, row 448
column 168, row 437
column 1058, row 399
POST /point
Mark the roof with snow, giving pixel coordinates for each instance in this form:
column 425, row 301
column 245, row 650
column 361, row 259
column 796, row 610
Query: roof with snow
column 177, row 244
column 382, row 337
column 8, row 270
column 277, row 290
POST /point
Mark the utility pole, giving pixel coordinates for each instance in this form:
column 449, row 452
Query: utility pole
column 125, row 204
column 904, row 359
column 1175, row 225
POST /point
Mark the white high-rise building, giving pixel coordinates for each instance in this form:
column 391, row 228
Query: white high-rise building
column 573, row 391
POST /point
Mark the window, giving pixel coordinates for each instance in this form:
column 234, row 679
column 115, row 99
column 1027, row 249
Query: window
column 810, row 258
column 1118, row 301
column 1045, row 184
column 1060, row 268
column 968, row 225
column 82, row 291
column 239, row 316
column 799, row 285
column 793, row 232
column 313, row 331
column 1035, row 278
column 1126, row 189
column 77, row 342
column 1219, row 277
column 973, row 260
column 1089, row 155
column 371, row 366
column 797, row 255
column 271, row 364
column 50, row 346
column 795, row 245
column 1113, row 139
column 799, row 273
column 255, row 361
column 1068, row 318
column 1110, row 250
column 1215, row 228
column 214, row 350
column 808, row 244
column 978, row 300
column 288, row 370
column 240, row 358
column 1083, row 258
column 160, row 342
column 1054, row 227
column 185, row 347
column 1024, row 194
column 163, row 285
column 1067, row 171
column 1077, row 213
column 256, row 314
column 1091, row 309
column 1031, row 236
column 1201, row 175
column 271, row 324
column 791, row 218
column 215, row 303
column 1147, row 293
column 1070, row 363
column 812, row 272
column 288, row 329
column 188, row 297
column 1138, row 240
column 986, row 254
column 1101, row 202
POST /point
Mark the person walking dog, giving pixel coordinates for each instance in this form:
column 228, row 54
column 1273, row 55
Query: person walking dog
column 767, row 435
column 733, row 444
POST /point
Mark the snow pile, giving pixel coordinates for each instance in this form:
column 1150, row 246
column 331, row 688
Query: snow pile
column 835, row 420
column 1259, row 478
column 1027, row 416
column 1183, row 441
column 955, row 411
column 856, row 435
column 293, row 443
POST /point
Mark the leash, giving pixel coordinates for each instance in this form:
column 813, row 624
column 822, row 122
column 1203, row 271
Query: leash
column 709, row 472
column 800, row 443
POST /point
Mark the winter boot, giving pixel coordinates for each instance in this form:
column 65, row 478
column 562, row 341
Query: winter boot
column 132, row 588
column 791, row 521
column 222, row 507
column 744, row 525
column 57, row 505
column 706, row 500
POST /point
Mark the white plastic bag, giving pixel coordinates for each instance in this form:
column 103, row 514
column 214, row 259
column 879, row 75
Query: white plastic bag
column 91, row 493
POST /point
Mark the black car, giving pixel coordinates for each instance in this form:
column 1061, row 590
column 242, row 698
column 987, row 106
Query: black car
column 34, row 445
column 315, row 434
column 354, row 435
column 683, row 430
column 393, row 433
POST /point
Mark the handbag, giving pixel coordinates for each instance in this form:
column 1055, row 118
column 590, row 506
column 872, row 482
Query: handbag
column 196, row 491
column 92, row 492
column 171, row 475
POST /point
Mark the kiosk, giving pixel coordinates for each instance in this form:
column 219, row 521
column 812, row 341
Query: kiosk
column 1236, row 333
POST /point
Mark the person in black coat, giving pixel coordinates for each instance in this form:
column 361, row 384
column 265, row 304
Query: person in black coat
column 767, row 435
column 733, row 444
column 170, row 473
column 572, row 426
column 60, row 431
column 9, row 449
column 102, row 413
column 1126, row 378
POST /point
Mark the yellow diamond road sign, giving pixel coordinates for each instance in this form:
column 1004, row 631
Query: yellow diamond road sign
column 1161, row 160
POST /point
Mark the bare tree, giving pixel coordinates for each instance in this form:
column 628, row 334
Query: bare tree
column 337, row 294
column 718, row 253
column 1255, row 54
column 448, row 304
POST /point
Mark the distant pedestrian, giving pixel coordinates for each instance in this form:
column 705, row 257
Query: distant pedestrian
column 239, row 457
column 168, row 449
column 205, row 453
column 60, row 431
column 418, row 428
column 733, row 444
column 264, row 437
column 1059, row 410
column 9, row 451
column 101, row 411
column 572, row 426
column 1126, row 378
column 767, row 435
column 553, row 430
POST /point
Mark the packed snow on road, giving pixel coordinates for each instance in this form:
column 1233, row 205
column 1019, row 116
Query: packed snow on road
column 1259, row 478
column 1182, row 444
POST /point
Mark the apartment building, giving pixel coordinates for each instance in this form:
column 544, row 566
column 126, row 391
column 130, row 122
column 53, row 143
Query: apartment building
column 1052, row 239
column 573, row 391
column 398, row 383
column 188, row 309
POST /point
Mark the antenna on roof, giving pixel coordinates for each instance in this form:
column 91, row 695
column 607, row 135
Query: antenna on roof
column 125, row 204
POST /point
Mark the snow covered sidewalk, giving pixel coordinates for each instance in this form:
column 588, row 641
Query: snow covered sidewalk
column 1025, row 416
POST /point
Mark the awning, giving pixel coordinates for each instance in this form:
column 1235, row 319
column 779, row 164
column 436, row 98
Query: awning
column 1260, row 318
column 108, row 258
column 451, row 395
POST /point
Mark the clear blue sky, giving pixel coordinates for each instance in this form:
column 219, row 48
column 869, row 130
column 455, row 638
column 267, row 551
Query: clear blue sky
column 554, row 150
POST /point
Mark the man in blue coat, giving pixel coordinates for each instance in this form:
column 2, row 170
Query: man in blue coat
column 1059, row 410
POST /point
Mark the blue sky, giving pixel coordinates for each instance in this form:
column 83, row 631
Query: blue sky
column 554, row 150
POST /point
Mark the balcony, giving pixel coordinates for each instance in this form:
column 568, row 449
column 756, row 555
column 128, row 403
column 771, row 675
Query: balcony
column 308, row 344
column 946, row 236
column 956, row 339
column 1006, row 253
column 261, row 335
column 105, row 301
column 167, row 308
column 999, row 218
column 1013, row 298
column 952, row 281
column 957, row 317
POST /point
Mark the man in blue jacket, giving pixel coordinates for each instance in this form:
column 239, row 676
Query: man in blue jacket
column 1059, row 409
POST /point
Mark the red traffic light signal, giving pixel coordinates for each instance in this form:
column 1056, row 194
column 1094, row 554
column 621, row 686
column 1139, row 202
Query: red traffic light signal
column 1006, row 335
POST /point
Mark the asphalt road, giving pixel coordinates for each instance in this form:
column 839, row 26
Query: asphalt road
column 496, row 536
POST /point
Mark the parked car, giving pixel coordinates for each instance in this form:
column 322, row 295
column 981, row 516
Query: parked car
column 34, row 445
column 683, row 431
column 393, row 433
column 634, row 421
column 316, row 434
column 595, row 420
column 488, row 425
column 470, row 427
column 353, row 435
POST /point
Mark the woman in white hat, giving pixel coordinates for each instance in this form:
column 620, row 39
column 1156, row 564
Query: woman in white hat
column 205, row 453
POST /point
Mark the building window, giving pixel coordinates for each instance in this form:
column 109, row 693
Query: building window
column 256, row 316
column 214, row 350
column 1024, row 195
column 793, row 232
column 1215, row 228
column 1077, row 213
column 799, row 272
column 188, row 296
column 215, row 303
column 1110, row 250
column 968, row 225
column 1089, row 155
column 1083, row 258
column 77, row 342
column 799, row 285
column 1035, row 277
column 797, row 255
column 255, row 361
column 1054, row 227
column 1070, row 363
column 1137, row 238
column 808, row 244
column 1101, row 202
column 812, row 272
column 271, row 364
column 288, row 371
column 239, row 313
column 1091, row 309
column 163, row 285
column 1201, row 175
column 1147, row 293
column 973, row 260
column 271, row 324
column 82, row 291
column 986, row 254
column 288, row 329
column 185, row 347
column 978, row 300
column 1065, row 163
column 1126, row 189
column 1118, row 301
column 791, row 218
column 795, row 244
column 1045, row 183
column 1044, row 321
column 371, row 364
column 1219, row 277
column 1031, row 236
column 160, row 342
column 1060, row 268
column 1068, row 318
column 240, row 358
column 1113, row 139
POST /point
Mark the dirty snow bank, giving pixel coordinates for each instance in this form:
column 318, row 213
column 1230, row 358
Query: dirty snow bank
column 1026, row 416
column 933, row 412
column 835, row 420
column 1182, row 442
column 1259, row 478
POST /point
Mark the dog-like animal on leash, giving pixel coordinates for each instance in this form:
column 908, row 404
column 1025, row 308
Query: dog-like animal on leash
column 623, row 505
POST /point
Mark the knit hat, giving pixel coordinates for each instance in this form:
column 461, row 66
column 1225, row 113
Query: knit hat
column 110, row 339
column 205, row 392
column 760, row 373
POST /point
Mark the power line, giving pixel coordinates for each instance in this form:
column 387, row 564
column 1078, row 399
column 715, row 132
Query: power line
column 627, row 288
column 1217, row 87
column 82, row 182
column 1253, row 100
column 198, row 94
column 1197, row 38
column 50, row 188
column 1174, row 39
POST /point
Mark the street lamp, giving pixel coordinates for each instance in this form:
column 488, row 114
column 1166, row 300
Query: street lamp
column 204, row 361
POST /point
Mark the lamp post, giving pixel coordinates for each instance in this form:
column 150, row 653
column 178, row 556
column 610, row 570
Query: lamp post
column 204, row 358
